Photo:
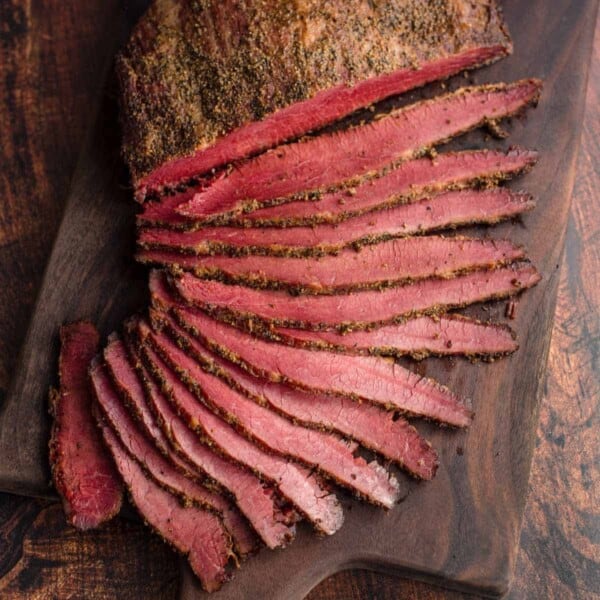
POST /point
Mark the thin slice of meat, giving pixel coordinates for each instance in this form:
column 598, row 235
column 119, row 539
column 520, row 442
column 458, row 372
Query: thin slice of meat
column 443, row 211
column 257, row 502
column 376, row 266
column 310, row 167
column 191, row 102
column 298, row 485
column 196, row 533
column 367, row 378
column 443, row 335
column 357, row 310
column 83, row 473
column 323, row 451
column 375, row 428
column 159, row 468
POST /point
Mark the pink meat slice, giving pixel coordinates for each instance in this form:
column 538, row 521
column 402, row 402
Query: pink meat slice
column 326, row 161
column 359, row 309
column 372, row 379
column 321, row 450
column 159, row 468
column 419, row 337
column 82, row 470
column 194, row 532
column 386, row 263
column 295, row 483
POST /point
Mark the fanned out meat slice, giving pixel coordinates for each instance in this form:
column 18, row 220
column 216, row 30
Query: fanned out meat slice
column 323, row 451
column 196, row 533
column 446, row 211
column 82, row 470
column 443, row 335
column 257, row 503
column 160, row 469
column 357, row 310
column 297, row 484
column 405, row 184
column 375, row 428
column 373, row 267
column 372, row 379
column 191, row 103
column 310, row 167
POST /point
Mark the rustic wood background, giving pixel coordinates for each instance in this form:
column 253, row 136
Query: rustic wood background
column 51, row 55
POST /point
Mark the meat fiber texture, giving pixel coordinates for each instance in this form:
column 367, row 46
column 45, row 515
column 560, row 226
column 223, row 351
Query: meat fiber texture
column 204, row 84
column 82, row 470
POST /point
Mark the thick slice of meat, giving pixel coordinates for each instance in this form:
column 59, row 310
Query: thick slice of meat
column 255, row 501
column 83, row 473
column 357, row 310
column 323, row 451
column 298, row 485
column 361, row 377
column 159, row 468
column 203, row 85
column 374, row 428
column 194, row 532
column 372, row 267
column 310, row 167
column 443, row 335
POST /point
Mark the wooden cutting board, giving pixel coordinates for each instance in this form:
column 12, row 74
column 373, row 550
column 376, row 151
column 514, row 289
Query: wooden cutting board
column 460, row 530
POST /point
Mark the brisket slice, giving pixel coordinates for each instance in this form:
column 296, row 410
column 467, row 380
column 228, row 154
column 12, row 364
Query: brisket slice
column 191, row 530
column 204, row 85
column 298, row 485
column 420, row 337
column 375, row 266
column 357, row 310
column 314, row 166
column 441, row 211
column 450, row 170
column 83, row 473
column 374, row 428
column 256, row 502
column 159, row 468
column 323, row 451
column 360, row 377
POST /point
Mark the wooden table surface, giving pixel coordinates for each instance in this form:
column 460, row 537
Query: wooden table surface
column 51, row 54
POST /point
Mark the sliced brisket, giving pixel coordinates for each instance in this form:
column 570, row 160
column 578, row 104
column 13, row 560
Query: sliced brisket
column 82, row 470
column 358, row 309
column 307, row 168
column 301, row 487
column 372, row 267
column 361, row 377
column 191, row 101
column 443, row 335
column 191, row 530
column 159, row 468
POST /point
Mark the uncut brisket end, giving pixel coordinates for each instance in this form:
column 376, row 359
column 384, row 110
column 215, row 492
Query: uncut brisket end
column 360, row 377
column 205, row 84
column 83, row 473
column 374, row 428
column 298, row 485
column 256, row 501
column 310, row 167
column 316, row 449
column 159, row 468
column 372, row 267
column 443, row 335
column 410, row 181
column 193, row 532
column 357, row 310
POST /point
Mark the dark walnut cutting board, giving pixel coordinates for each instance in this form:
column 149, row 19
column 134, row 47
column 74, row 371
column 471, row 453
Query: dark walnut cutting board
column 462, row 529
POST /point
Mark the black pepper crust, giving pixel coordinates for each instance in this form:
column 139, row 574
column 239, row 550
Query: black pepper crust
column 194, row 70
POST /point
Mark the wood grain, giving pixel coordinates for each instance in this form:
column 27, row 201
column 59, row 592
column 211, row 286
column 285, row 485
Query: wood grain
column 565, row 582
